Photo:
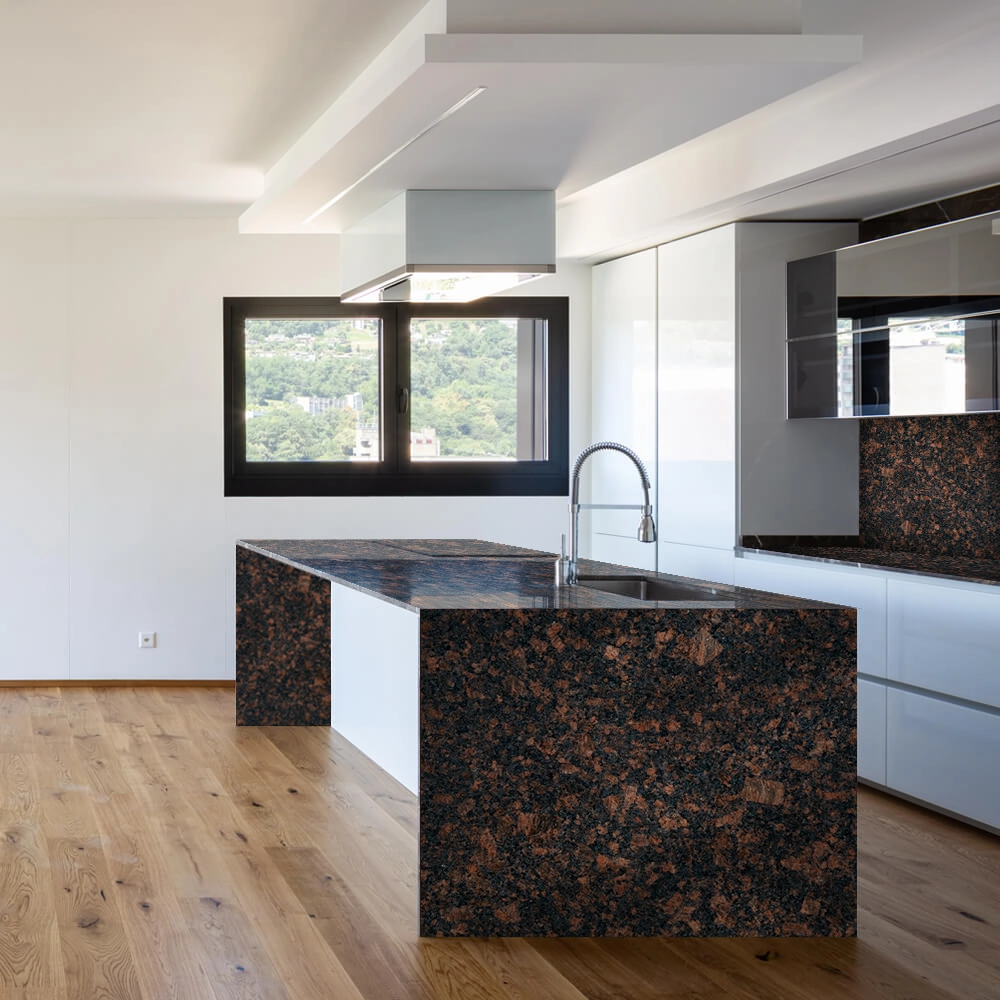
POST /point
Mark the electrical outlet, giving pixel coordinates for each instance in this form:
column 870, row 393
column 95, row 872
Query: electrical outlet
column 147, row 640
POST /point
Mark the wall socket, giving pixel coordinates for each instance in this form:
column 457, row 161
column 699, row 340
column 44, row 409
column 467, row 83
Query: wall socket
column 147, row 640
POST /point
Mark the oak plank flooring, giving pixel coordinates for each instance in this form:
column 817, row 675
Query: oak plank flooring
column 30, row 958
column 150, row 850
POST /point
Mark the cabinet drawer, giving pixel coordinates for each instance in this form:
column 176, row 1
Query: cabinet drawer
column 871, row 731
column 945, row 639
column 854, row 588
column 945, row 754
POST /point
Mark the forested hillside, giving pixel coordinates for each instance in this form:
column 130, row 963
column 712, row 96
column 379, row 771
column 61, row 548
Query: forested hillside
column 463, row 384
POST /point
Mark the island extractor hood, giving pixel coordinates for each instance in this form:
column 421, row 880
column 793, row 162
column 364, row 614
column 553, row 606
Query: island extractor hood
column 448, row 246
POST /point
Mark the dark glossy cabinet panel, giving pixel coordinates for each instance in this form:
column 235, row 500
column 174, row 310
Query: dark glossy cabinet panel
column 813, row 378
column 908, row 325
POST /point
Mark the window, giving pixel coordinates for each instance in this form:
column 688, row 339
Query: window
column 328, row 399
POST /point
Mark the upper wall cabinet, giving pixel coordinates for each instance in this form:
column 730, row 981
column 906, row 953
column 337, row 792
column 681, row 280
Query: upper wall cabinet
column 903, row 325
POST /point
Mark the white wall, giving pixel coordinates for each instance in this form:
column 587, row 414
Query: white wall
column 111, row 426
column 34, row 447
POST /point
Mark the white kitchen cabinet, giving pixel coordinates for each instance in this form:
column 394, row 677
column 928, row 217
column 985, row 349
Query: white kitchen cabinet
column 944, row 754
column 696, row 365
column 871, row 731
column 700, row 562
column 689, row 366
column 375, row 688
column 849, row 585
column 945, row 637
column 623, row 403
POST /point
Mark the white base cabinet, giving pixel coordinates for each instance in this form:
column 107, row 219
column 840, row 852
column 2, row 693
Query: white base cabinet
column 944, row 754
column 946, row 638
column 929, row 690
column 375, row 691
column 871, row 731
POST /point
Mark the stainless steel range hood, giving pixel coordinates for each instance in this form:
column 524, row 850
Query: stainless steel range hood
column 448, row 246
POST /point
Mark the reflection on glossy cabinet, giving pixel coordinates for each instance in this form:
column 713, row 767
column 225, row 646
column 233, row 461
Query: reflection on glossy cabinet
column 623, row 402
column 945, row 638
column 696, row 360
column 944, row 754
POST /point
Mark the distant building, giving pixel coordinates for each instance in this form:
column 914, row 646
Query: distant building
column 424, row 443
column 318, row 405
column 366, row 442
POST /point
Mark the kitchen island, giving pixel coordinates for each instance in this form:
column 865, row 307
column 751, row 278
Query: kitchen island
column 588, row 764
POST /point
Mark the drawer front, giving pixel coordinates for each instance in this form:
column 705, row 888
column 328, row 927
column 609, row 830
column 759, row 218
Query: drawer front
column 871, row 731
column 945, row 639
column 944, row 754
column 856, row 589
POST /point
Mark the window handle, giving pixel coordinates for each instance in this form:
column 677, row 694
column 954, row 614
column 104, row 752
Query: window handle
column 403, row 399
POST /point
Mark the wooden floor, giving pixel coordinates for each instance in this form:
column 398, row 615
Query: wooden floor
column 149, row 849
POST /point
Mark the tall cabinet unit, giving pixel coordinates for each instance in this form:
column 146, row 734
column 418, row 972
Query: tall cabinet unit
column 729, row 462
column 623, row 402
column 696, row 376
column 689, row 370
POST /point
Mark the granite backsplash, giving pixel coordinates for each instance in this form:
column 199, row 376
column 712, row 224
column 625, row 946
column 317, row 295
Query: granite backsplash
column 931, row 485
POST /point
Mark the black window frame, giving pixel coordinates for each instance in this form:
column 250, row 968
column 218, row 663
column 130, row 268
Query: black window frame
column 394, row 475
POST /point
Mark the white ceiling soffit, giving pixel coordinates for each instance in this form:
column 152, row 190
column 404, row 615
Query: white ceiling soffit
column 118, row 108
column 559, row 112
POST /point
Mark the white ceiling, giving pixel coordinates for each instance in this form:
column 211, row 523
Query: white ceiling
column 559, row 112
column 266, row 108
column 131, row 107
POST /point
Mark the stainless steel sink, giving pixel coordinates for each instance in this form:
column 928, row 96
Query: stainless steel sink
column 648, row 588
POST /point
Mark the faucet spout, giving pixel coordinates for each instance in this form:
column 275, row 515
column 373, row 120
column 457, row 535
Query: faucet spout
column 647, row 528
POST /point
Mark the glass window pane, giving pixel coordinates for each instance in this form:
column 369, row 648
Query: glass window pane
column 312, row 390
column 478, row 389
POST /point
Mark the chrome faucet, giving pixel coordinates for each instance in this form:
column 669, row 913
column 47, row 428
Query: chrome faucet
column 567, row 570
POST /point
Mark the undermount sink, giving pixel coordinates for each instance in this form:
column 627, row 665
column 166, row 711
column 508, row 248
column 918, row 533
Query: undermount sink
column 646, row 588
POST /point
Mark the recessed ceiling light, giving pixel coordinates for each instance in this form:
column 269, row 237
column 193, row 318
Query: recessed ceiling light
column 444, row 116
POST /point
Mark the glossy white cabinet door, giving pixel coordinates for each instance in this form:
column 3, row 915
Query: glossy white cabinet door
column 871, row 731
column 698, row 561
column 944, row 754
column 696, row 361
column 946, row 639
column 623, row 402
column 855, row 588
column 623, row 551
column 376, row 685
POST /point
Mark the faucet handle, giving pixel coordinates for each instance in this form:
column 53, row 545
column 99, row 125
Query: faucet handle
column 562, row 566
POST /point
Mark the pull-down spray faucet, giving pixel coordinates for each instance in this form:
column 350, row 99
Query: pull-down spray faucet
column 567, row 570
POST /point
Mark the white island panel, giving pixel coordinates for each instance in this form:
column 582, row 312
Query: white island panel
column 375, row 681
